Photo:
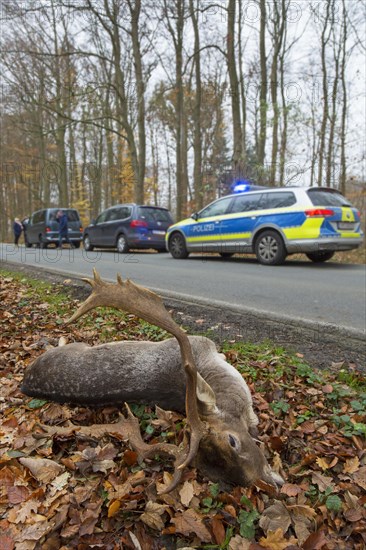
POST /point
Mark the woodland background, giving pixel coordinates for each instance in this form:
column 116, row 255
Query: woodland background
column 169, row 101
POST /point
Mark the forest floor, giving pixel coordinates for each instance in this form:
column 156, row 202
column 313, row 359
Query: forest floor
column 72, row 492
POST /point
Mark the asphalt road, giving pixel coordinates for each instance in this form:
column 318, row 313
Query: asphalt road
column 330, row 293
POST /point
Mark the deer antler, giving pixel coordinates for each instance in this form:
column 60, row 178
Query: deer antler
column 127, row 428
column 148, row 306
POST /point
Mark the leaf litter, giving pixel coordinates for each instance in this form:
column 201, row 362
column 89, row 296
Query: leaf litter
column 92, row 492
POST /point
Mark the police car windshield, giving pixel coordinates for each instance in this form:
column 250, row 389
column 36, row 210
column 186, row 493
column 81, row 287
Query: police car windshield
column 327, row 198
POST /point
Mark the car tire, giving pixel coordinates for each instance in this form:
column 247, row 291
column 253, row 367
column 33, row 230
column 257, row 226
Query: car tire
column 41, row 242
column 27, row 244
column 86, row 242
column 270, row 248
column 177, row 247
column 121, row 244
column 319, row 257
column 226, row 254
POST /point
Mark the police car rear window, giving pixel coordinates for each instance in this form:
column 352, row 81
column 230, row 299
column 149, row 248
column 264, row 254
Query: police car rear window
column 327, row 198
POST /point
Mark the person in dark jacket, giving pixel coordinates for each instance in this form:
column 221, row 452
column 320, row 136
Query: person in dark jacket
column 63, row 229
column 18, row 229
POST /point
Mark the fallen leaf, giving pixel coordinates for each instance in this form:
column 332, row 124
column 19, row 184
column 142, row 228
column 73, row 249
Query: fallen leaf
column 113, row 508
column 218, row 530
column 315, row 541
column 323, row 482
column 43, row 469
column 275, row 517
column 291, row 490
column 6, row 543
column 164, row 419
column 135, row 541
column 302, row 526
column 351, row 465
column 152, row 515
column 28, row 508
column 322, row 463
column 189, row 522
column 239, row 543
column 40, row 529
column 302, row 510
column 186, row 493
column 130, row 457
column 276, row 541
column 17, row 494
column 90, row 518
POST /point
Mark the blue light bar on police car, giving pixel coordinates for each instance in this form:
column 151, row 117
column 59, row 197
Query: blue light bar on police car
column 244, row 186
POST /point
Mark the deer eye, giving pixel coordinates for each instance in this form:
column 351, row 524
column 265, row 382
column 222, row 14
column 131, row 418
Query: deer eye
column 233, row 441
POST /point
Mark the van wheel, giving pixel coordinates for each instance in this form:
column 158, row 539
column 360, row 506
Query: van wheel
column 177, row 247
column 28, row 244
column 320, row 256
column 270, row 248
column 122, row 245
column 87, row 246
column 42, row 242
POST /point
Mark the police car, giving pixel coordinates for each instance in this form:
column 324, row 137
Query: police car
column 271, row 223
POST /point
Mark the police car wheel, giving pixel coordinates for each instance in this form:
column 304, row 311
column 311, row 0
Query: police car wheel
column 270, row 249
column 320, row 256
column 177, row 247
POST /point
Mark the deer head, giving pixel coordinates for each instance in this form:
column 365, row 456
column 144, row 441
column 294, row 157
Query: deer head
column 220, row 444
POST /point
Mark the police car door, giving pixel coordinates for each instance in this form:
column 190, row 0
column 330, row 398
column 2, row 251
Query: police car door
column 238, row 225
column 204, row 234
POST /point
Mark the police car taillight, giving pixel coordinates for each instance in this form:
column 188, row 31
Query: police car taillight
column 319, row 212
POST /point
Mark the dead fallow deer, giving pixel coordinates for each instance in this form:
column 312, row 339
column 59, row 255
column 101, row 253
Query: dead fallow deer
column 216, row 399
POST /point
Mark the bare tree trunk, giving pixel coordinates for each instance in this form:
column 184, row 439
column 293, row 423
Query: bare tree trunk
column 323, row 128
column 140, row 93
column 333, row 117
column 343, row 171
column 242, row 83
column 279, row 24
column 60, row 131
column 238, row 156
column 263, row 85
column 176, row 33
column 197, row 139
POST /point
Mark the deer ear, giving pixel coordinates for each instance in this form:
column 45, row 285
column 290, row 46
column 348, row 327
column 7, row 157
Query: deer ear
column 205, row 397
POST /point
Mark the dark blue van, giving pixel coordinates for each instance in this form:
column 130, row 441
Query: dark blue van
column 126, row 226
column 42, row 227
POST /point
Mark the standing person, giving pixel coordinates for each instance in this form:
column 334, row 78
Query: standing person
column 18, row 229
column 63, row 229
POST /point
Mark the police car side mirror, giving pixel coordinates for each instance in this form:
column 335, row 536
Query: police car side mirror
column 194, row 216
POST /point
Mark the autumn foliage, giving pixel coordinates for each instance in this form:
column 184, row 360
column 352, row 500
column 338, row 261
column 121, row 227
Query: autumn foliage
column 80, row 492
